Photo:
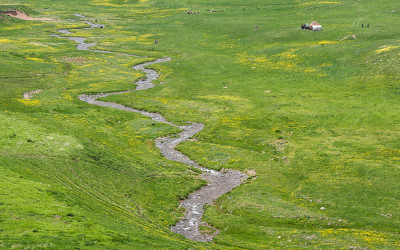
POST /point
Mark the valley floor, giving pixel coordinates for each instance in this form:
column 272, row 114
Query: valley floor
column 311, row 117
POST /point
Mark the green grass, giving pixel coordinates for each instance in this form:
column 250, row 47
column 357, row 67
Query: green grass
column 314, row 114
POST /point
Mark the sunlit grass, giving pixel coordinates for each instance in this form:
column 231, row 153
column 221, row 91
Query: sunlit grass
column 313, row 115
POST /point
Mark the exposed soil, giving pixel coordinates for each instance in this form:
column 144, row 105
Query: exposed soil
column 22, row 15
column 30, row 94
column 219, row 183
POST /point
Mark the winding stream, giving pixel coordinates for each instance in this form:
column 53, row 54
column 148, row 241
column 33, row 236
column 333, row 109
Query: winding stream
column 219, row 183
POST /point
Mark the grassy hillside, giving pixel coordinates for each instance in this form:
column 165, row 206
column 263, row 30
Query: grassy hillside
column 314, row 114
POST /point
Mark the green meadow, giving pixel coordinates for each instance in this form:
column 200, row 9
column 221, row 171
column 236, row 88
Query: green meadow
column 313, row 117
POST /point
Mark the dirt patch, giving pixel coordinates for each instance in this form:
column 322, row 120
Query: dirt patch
column 77, row 59
column 251, row 172
column 23, row 16
column 30, row 94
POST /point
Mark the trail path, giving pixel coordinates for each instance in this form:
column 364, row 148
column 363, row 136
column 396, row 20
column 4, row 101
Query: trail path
column 219, row 183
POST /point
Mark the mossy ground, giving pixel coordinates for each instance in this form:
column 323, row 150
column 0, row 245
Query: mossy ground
column 314, row 114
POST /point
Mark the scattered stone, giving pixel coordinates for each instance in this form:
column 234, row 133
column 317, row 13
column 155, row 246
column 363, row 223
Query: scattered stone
column 190, row 12
column 213, row 11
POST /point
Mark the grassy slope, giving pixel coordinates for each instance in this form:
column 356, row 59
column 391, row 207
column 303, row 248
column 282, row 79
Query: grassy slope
column 314, row 115
column 73, row 175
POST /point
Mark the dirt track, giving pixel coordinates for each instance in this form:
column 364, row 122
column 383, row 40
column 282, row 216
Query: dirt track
column 219, row 183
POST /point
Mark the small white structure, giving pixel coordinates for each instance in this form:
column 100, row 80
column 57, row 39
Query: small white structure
column 314, row 26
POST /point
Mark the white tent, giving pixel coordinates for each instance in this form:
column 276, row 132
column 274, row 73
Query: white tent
column 314, row 26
